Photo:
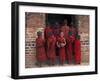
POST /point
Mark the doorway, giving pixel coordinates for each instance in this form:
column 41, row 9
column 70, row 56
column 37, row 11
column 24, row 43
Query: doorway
column 53, row 18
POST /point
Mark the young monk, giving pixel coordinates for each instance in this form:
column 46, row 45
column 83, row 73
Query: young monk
column 61, row 45
column 51, row 48
column 56, row 31
column 40, row 49
column 65, row 28
column 77, row 50
column 70, row 51
column 73, row 29
column 47, row 29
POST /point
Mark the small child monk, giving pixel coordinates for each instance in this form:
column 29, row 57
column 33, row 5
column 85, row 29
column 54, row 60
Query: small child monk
column 65, row 28
column 70, row 50
column 51, row 48
column 77, row 49
column 40, row 49
column 61, row 42
column 46, row 30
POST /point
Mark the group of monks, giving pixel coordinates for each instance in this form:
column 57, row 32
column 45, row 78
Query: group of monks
column 59, row 42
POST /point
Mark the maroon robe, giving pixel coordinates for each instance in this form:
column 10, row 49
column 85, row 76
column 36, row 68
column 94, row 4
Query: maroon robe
column 40, row 50
column 65, row 29
column 73, row 30
column 56, row 32
column 62, row 53
column 77, row 51
column 46, row 31
column 70, row 44
column 51, row 49
column 46, row 36
column 69, row 48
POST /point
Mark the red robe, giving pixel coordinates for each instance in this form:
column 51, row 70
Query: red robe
column 46, row 36
column 77, row 51
column 47, row 29
column 73, row 30
column 62, row 53
column 69, row 48
column 40, row 50
column 65, row 29
column 51, row 48
column 56, row 32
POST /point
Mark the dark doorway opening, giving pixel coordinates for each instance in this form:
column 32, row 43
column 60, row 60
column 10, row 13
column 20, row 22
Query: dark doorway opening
column 53, row 18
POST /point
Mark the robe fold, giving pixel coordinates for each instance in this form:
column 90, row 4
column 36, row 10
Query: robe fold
column 51, row 49
column 77, row 51
column 40, row 50
column 70, row 48
column 62, row 53
column 65, row 29
column 46, row 31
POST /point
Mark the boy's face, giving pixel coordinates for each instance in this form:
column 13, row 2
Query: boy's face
column 39, row 34
column 61, row 34
column 65, row 23
column 57, row 25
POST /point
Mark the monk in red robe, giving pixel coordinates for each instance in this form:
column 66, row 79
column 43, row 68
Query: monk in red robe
column 61, row 45
column 56, row 29
column 47, row 29
column 72, row 34
column 51, row 48
column 70, row 51
column 65, row 29
column 77, row 50
column 73, row 29
column 40, row 49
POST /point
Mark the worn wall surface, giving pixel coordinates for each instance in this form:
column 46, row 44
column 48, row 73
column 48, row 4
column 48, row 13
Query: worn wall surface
column 83, row 27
